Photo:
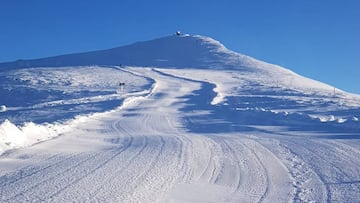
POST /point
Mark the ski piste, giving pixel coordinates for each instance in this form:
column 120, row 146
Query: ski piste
column 195, row 122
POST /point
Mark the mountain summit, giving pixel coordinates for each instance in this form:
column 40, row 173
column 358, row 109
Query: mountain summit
column 180, row 52
column 185, row 51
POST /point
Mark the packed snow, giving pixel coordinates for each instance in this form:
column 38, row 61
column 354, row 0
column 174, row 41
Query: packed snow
column 182, row 119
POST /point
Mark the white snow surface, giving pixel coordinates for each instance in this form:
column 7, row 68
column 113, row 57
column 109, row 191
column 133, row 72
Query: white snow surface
column 256, row 133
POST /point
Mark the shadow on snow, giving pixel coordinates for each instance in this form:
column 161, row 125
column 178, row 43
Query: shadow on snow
column 244, row 113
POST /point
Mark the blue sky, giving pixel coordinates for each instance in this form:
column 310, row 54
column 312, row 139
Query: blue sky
column 315, row 38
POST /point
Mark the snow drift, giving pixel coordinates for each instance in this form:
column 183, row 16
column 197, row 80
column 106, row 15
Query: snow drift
column 12, row 136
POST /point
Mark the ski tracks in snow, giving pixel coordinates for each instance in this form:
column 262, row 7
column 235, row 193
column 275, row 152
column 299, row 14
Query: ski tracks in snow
column 335, row 164
column 143, row 152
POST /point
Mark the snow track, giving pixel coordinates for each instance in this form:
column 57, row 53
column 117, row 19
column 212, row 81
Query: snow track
column 327, row 161
column 152, row 149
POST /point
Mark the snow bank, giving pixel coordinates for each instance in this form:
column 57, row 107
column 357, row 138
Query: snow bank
column 12, row 136
column 2, row 108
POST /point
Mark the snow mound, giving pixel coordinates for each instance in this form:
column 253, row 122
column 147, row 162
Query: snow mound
column 2, row 108
column 12, row 136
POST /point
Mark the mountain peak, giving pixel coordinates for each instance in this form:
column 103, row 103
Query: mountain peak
column 179, row 51
column 174, row 51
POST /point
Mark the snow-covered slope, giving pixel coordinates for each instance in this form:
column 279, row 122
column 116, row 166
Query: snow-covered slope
column 186, row 51
column 172, row 51
column 195, row 122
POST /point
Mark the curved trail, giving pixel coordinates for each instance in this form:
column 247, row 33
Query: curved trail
column 145, row 152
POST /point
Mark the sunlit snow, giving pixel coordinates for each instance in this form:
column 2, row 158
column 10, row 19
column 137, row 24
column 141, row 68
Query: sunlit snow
column 175, row 119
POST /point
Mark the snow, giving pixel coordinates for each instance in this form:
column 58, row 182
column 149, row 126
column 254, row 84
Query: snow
column 30, row 133
column 195, row 122
column 2, row 108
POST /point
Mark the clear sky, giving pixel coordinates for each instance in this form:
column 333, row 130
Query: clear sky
column 319, row 39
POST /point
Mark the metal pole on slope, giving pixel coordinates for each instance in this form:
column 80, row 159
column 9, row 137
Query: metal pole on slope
column 121, row 85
